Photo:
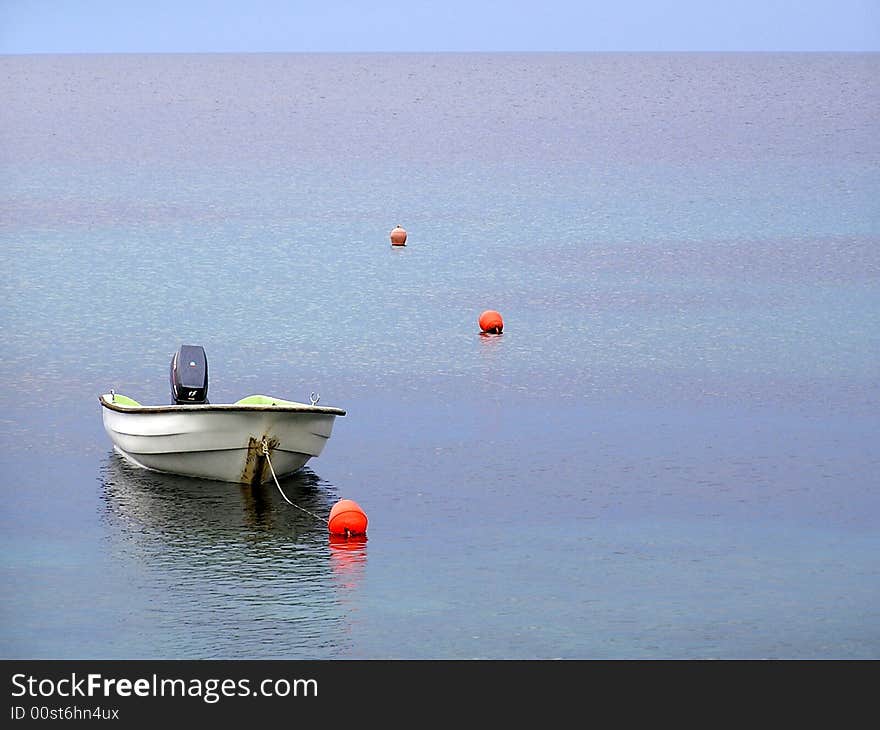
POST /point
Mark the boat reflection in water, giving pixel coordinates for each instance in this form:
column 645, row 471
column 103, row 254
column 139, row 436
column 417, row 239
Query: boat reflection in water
column 180, row 505
column 230, row 570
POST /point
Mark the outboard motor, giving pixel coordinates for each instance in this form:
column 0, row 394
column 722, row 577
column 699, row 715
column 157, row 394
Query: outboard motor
column 189, row 375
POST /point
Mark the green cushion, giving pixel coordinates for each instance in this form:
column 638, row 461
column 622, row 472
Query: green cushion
column 263, row 400
column 124, row 400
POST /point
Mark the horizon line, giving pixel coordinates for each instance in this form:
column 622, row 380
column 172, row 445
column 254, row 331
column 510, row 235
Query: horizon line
column 425, row 52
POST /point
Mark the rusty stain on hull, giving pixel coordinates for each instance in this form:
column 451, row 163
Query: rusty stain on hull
column 256, row 469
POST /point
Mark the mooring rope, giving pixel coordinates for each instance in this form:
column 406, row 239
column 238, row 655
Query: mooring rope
column 272, row 469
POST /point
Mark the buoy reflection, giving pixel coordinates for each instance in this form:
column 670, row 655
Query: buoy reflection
column 348, row 557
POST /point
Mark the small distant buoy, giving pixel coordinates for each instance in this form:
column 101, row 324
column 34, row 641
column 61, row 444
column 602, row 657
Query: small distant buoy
column 398, row 236
column 491, row 322
column 347, row 518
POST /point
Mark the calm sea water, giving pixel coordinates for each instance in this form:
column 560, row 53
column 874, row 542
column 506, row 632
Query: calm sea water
column 671, row 452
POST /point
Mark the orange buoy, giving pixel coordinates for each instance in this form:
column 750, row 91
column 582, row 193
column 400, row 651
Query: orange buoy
column 348, row 544
column 347, row 518
column 490, row 321
column 398, row 236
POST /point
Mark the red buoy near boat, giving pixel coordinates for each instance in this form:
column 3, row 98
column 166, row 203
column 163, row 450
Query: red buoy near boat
column 491, row 322
column 398, row 236
column 347, row 518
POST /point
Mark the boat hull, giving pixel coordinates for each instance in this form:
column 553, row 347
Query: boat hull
column 219, row 442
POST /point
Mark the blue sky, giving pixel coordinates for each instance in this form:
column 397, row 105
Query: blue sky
column 109, row 26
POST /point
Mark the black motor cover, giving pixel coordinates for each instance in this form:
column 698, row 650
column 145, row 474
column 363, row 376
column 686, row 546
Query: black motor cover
column 189, row 375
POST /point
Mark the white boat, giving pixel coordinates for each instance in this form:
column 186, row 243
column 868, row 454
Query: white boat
column 242, row 442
